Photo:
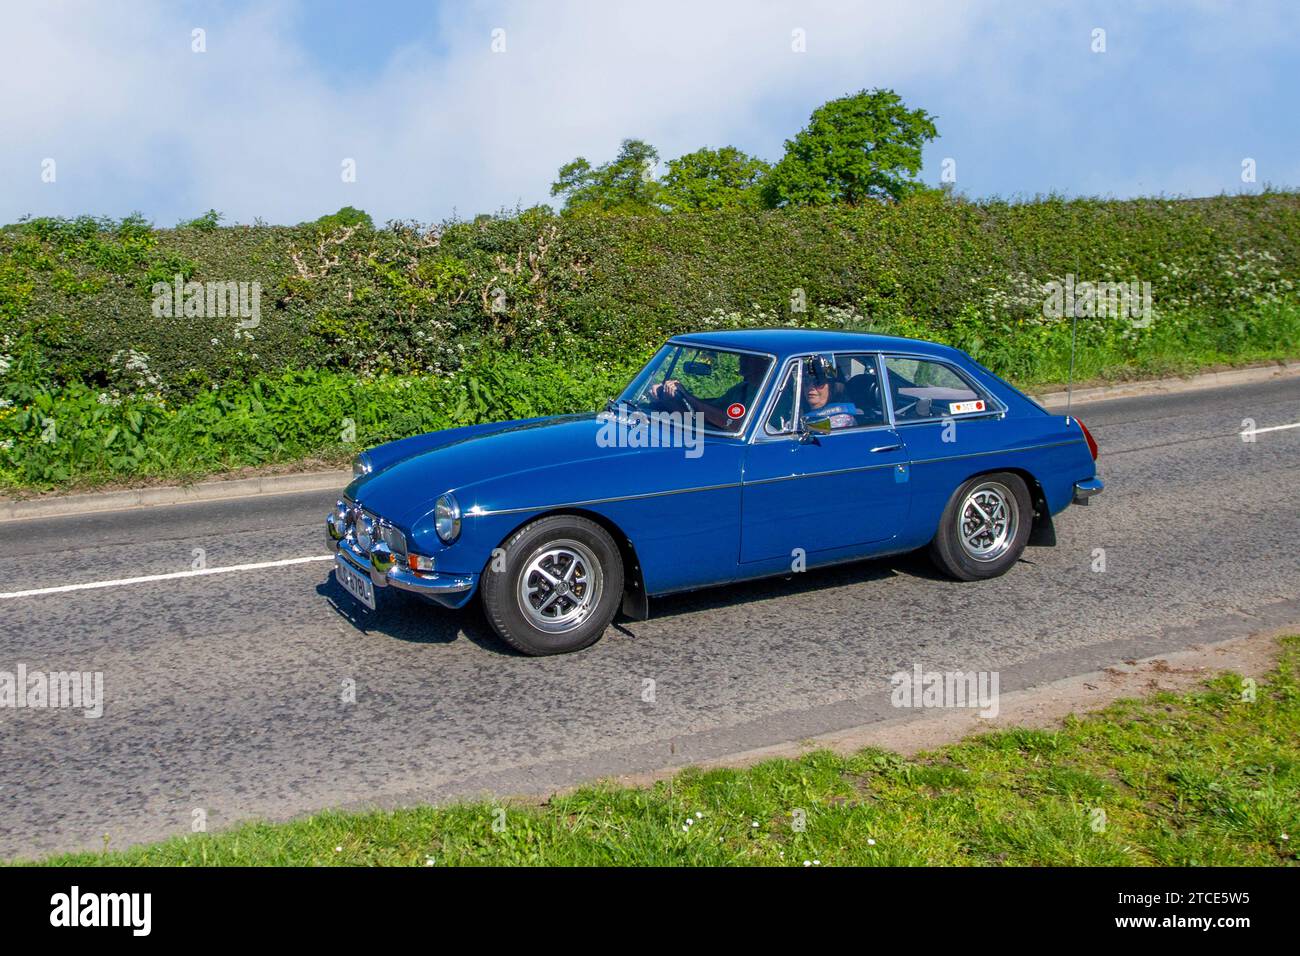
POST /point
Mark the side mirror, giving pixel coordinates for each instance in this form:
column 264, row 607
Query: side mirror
column 808, row 431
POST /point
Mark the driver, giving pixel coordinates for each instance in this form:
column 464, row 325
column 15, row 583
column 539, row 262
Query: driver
column 819, row 380
column 714, row 410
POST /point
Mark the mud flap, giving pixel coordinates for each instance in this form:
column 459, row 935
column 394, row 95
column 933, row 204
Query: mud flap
column 635, row 603
column 1043, row 533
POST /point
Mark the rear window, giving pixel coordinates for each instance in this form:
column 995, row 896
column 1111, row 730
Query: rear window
column 926, row 389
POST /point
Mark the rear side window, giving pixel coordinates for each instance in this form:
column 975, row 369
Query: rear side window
column 924, row 390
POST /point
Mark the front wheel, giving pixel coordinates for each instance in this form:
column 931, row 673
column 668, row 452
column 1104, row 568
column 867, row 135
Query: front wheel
column 556, row 588
column 984, row 528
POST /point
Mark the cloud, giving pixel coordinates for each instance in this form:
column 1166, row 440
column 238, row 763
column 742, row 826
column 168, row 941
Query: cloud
column 259, row 124
column 254, row 127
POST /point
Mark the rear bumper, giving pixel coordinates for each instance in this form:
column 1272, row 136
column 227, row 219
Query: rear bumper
column 450, row 589
column 1084, row 490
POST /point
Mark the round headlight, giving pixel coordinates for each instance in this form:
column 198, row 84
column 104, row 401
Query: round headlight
column 446, row 518
column 395, row 540
column 361, row 465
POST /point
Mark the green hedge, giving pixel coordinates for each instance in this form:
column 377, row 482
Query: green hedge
column 405, row 329
column 77, row 436
column 412, row 300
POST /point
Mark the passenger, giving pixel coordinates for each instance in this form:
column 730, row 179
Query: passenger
column 819, row 381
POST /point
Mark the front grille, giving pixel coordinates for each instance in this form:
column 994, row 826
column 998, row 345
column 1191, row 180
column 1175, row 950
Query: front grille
column 365, row 529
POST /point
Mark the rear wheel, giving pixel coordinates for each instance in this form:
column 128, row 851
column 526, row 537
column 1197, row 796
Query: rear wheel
column 558, row 587
column 984, row 528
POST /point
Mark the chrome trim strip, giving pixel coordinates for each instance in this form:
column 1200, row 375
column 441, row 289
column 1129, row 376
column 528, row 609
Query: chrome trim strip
column 996, row 413
column 855, row 430
column 999, row 451
column 738, row 484
column 823, row 474
column 886, row 393
column 601, row 501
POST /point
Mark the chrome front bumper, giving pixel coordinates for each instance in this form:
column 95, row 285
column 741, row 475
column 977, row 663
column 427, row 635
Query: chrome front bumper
column 1083, row 490
column 384, row 570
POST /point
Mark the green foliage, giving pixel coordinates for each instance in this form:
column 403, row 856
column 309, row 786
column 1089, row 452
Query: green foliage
column 626, row 185
column 587, row 293
column 854, row 149
column 79, row 435
column 206, row 222
column 347, row 216
column 713, row 179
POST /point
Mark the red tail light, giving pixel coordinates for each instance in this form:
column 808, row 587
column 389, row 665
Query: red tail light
column 1092, row 442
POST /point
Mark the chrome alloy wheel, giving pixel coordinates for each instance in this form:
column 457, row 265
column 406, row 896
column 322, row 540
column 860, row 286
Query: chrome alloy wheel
column 560, row 585
column 987, row 521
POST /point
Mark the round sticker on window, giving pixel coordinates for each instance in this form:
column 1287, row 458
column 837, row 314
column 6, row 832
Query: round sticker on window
column 735, row 410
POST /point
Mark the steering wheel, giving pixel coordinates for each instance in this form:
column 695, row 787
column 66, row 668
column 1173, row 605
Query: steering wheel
column 670, row 403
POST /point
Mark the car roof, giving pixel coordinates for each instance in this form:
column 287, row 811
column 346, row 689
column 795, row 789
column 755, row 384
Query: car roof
column 786, row 342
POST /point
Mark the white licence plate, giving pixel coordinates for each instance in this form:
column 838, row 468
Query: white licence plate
column 358, row 585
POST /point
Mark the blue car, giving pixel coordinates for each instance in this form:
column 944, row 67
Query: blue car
column 730, row 456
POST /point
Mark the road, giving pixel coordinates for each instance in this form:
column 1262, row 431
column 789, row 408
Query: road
column 224, row 693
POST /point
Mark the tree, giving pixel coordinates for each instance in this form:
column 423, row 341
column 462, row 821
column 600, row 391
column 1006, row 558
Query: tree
column 626, row 184
column 713, row 179
column 204, row 223
column 347, row 216
column 859, row 147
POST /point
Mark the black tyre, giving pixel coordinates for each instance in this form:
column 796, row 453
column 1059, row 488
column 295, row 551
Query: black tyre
column 557, row 588
column 984, row 528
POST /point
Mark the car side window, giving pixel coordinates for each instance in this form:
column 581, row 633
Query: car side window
column 927, row 390
column 781, row 420
column 860, row 388
column 840, row 391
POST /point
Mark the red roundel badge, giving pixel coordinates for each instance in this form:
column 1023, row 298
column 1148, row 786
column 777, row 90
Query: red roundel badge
column 735, row 410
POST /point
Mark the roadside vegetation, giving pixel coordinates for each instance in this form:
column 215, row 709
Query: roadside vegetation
column 125, row 353
column 1204, row 778
column 390, row 332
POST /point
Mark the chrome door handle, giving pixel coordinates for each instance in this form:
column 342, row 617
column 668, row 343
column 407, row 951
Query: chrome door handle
column 895, row 447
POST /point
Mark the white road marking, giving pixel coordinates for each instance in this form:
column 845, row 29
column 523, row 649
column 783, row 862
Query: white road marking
column 1271, row 428
column 120, row 582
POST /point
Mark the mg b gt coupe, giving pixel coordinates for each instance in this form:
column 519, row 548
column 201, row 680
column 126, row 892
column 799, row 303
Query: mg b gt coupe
column 730, row 456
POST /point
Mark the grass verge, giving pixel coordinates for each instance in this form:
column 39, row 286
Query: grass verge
column 1205, row 778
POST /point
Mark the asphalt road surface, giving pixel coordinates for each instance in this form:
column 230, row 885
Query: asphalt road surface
column 225, row 692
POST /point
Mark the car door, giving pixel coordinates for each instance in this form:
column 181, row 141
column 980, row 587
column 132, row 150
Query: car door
column 842, row 489
column 949, row 423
